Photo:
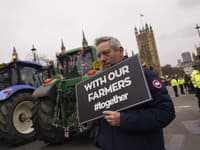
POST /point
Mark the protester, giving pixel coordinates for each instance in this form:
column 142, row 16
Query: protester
column 139, row 127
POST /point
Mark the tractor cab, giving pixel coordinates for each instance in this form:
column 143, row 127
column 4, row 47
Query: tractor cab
column 77, row 62
column 20, row 72
column 23, row 72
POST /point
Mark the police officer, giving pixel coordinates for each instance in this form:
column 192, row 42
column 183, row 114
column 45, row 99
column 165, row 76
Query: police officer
column 181, row 82
column 195, row 78
column 174, row 85
column 139, row 127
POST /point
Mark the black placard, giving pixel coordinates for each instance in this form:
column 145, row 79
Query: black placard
column 117, row 88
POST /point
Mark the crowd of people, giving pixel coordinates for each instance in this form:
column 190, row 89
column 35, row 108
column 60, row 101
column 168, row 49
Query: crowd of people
column 181, row 84
column 185, row 83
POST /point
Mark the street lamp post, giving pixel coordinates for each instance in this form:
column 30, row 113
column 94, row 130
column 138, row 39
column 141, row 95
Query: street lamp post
column 34, row 53
column 198, row 29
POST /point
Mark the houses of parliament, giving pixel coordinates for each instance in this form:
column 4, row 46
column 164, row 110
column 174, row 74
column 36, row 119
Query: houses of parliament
column 147, row 48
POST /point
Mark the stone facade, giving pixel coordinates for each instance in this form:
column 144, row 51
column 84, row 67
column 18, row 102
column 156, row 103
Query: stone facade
column 147, row 48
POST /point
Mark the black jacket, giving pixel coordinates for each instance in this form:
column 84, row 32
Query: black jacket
column 140, row 126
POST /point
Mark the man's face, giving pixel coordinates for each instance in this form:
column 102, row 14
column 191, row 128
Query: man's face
column 107, row 55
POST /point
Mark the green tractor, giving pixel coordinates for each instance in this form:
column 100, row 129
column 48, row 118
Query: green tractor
column 54, row 111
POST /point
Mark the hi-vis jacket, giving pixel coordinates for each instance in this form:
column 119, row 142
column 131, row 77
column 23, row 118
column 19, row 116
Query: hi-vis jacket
column 195, row 78
column 174, row 82
column 141, row 126
column 181, row 81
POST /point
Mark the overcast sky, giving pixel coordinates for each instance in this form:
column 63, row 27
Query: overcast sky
column 45, row 22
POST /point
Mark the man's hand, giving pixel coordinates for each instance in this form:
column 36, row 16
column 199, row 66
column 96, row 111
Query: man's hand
column 112, row 117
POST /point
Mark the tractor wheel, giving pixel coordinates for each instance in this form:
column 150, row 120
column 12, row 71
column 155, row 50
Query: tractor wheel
column 15, row 119
column 42, row 115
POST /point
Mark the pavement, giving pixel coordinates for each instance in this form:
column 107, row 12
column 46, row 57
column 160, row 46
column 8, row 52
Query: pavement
column 184, row 132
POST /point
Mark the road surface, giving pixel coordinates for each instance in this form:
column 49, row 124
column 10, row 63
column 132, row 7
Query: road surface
column 182, row 134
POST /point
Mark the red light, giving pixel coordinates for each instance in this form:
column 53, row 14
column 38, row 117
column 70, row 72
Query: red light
column 47, row 81
column 91, row 72
column 8, row 91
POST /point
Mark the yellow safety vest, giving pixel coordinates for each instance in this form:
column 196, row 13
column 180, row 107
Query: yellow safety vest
column 195, row 78
column 181, row 81
column 173, row 82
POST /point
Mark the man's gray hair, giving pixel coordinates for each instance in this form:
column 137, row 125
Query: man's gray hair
column 115, row 43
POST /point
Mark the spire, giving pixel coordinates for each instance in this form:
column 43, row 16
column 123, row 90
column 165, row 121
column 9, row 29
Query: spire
column 14, row 54
column 14, row 50
column 146, row 27
column 151, row 30
column 136, row 31
column 63, row 49
column 142, row 28
column 84, row 41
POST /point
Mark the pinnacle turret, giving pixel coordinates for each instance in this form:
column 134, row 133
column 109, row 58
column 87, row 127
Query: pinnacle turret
column 84, row 41
column 14, row 54
column 63, row 49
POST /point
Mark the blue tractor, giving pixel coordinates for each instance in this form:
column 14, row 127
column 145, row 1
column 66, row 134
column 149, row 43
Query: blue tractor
column 18, row 80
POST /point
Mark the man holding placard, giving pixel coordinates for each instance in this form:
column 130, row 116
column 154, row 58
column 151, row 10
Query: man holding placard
column 138, row 127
